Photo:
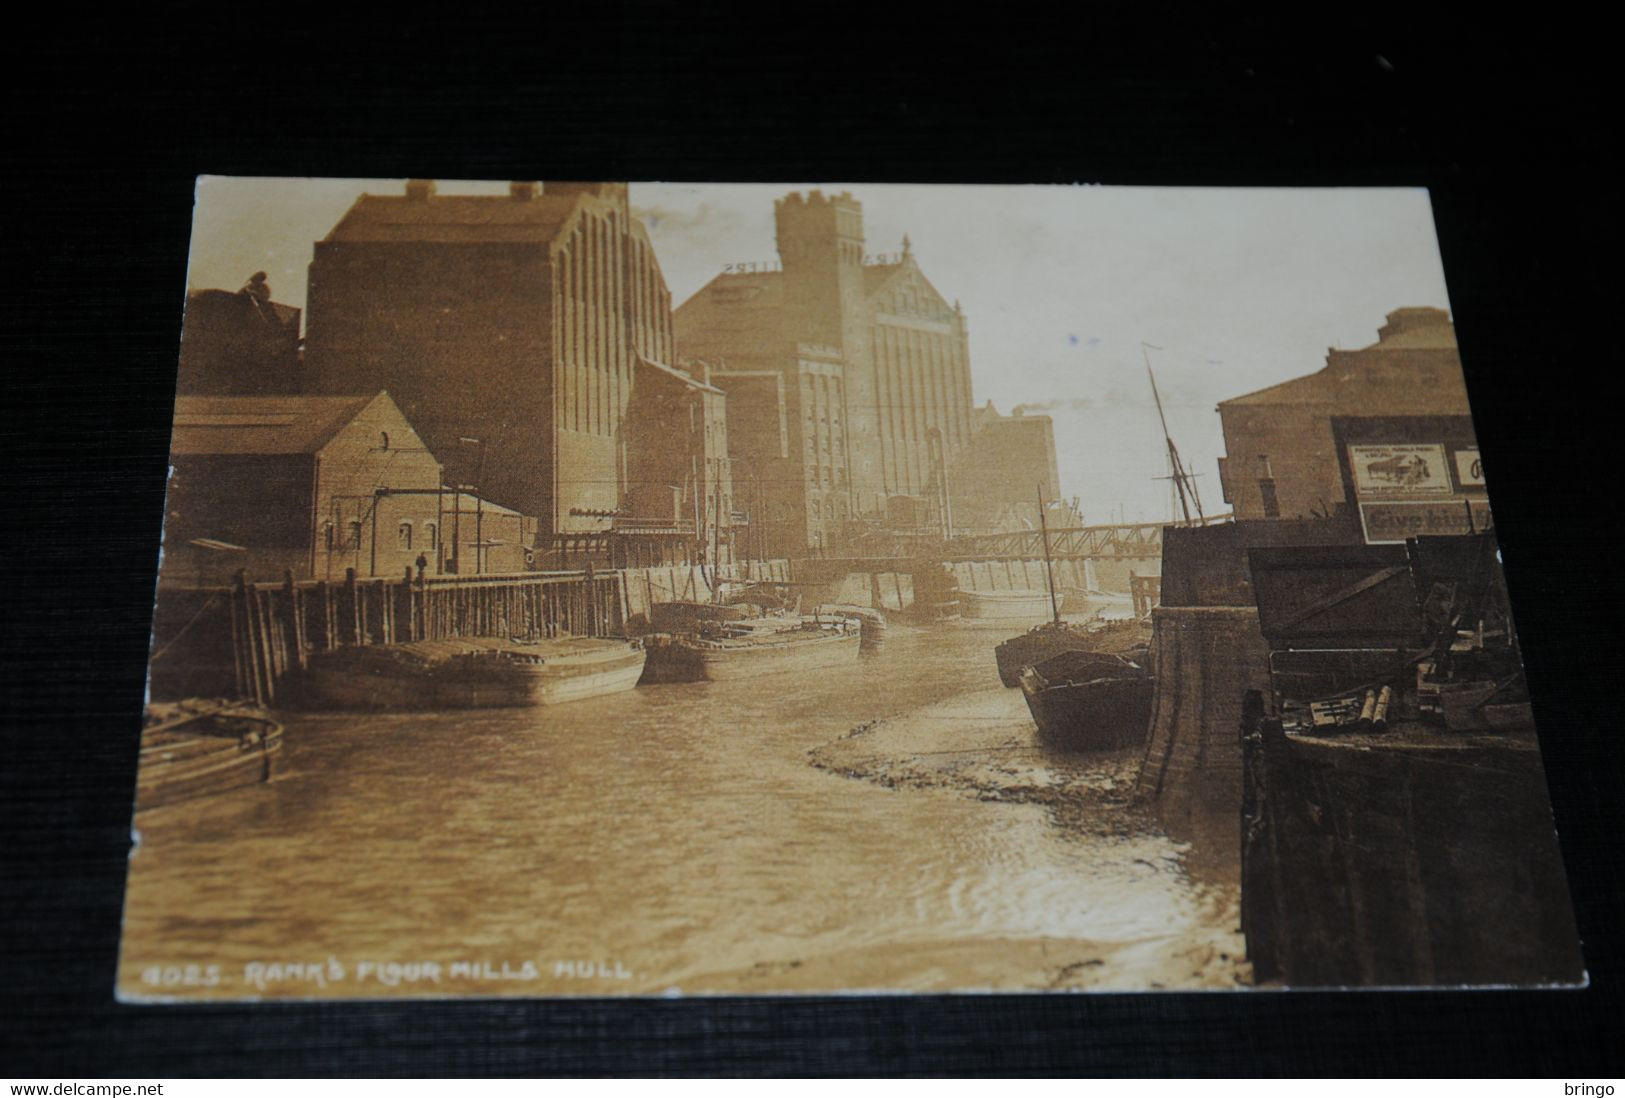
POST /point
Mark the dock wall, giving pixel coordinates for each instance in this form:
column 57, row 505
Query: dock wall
column 1205, row 658
column 1113, row 573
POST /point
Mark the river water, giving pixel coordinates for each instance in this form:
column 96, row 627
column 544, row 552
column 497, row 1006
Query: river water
column 672, row 839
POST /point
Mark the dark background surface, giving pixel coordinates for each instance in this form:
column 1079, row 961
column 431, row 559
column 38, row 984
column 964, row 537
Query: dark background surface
column 108, row 123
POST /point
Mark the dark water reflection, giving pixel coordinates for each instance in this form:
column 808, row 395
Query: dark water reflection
column 670, row 837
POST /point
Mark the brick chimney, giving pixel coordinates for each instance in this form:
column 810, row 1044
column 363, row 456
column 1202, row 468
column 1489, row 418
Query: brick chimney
column 420, row 190
column 522, row 190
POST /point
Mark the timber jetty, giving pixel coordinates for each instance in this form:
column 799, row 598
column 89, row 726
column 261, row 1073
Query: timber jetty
column 249, row 638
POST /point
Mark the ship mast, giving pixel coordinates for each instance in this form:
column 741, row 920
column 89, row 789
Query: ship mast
column 716, row 540
column 1184, row 484
column 1049, row 568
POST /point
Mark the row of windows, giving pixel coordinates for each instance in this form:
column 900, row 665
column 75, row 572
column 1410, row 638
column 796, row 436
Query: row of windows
column 831, row 509
column 403, row 536
column 826, row 441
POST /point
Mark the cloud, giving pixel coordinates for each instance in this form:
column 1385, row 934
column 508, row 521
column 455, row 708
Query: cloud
column 1075, row 404
column 1118, row 397
column 674, row 220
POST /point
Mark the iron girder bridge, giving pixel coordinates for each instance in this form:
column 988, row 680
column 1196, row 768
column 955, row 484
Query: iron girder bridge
column 1137, row 539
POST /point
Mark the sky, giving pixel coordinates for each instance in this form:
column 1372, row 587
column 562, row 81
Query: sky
column 1236, row 289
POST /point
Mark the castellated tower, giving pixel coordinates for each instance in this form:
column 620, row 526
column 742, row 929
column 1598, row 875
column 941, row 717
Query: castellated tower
column 820, row 241
column 821, row 248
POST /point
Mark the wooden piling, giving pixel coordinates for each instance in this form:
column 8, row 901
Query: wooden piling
column 276, row 626
column 352, row 609
column 239, row 635
column 385, row 617
column 296, row 619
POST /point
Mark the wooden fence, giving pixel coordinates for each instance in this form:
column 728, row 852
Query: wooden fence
column 276, row 627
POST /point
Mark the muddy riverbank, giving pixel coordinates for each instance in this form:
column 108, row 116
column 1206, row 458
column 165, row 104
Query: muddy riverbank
column 982, row 745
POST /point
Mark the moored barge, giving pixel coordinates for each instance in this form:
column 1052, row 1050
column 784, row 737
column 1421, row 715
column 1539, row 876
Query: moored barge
column 722, row 651
column 1089, row 701
column 1052, row 638
column 473, row 672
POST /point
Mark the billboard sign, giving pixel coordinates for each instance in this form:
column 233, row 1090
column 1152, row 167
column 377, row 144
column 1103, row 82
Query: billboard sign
column 1400, row 471
column 1394, row 521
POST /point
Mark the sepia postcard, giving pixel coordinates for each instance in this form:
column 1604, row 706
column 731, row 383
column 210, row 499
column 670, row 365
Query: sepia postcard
column 606, row 589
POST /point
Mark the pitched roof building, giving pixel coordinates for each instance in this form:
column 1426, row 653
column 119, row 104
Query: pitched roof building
column 311, row 485
column 1292, row 449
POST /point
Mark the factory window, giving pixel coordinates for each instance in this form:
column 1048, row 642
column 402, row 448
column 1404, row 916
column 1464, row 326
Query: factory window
column 431, row 536
column 327, row 536
column 403, row 536
column 355, row 535
column 383, row 440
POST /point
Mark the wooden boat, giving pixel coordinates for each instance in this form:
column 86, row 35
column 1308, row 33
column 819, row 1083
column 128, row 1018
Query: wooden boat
column 1111, row 605
column 473, row 672
column 1049, row 639
column 1004, row 606
column 1089, row 701
column 684, row 616
column 871, row 622
column 188, row 750
column 1052, row 638
column 722, row 651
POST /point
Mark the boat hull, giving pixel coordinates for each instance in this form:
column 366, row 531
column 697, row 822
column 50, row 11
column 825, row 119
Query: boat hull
column 1089, row 701
column 490, row 682
column 180, row 765
column 871, row 623
column 1046, row 641
column 1101, row 715
column 691, row 659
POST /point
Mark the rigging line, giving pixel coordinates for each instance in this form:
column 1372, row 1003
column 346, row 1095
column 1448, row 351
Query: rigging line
column 207, row 603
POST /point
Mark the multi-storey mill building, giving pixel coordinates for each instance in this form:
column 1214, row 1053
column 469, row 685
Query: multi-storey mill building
column 512, row 331
column 848, row 380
